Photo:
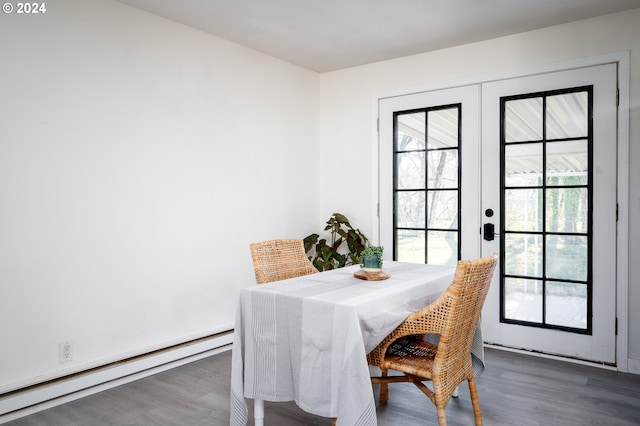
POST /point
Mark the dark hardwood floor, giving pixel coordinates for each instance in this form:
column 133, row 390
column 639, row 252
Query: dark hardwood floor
column 515, row 390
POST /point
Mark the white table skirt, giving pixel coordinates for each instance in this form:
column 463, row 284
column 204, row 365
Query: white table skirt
column 305, row 339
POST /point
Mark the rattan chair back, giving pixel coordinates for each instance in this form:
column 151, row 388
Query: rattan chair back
column 276, row 260
column 461, row 311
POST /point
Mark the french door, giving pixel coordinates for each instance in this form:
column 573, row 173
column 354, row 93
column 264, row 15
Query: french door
column 440, row 129
column 524, row 167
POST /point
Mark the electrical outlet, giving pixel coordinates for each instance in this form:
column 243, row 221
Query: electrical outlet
column 65, row 353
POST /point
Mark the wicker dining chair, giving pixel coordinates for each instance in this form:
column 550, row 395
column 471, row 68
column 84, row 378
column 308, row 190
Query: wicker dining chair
column 454, row 317
column 276, row 260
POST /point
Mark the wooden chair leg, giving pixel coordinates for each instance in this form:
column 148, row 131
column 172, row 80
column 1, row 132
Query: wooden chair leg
column 384, row 389
column 475, row 402
column 442, row 416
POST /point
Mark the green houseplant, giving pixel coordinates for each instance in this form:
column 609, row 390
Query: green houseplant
column 326, row 255
column 372, row 257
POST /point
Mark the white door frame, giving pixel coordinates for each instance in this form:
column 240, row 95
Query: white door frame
column 622, row 262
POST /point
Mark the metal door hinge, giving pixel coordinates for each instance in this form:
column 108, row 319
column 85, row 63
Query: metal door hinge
column 617, row 97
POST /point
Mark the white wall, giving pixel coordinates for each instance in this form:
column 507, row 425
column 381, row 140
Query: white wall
column 346, row 113
column 138, row 159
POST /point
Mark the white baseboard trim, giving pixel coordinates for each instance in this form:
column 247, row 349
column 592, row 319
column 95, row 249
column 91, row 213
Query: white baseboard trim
column 37, row 398
column 633, row 366
column 550, row 356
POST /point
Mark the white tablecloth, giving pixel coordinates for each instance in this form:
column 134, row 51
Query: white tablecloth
column 305, row 339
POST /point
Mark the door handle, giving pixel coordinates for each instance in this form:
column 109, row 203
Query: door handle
column 489, row 232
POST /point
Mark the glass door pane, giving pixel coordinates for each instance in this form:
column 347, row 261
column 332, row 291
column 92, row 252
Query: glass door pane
column 546, row 276
column 426, row 188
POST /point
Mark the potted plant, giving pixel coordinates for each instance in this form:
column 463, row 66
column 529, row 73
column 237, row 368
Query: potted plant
column 372, row 257
column 331, row 255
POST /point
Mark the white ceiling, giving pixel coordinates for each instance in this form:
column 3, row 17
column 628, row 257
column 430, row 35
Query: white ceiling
column 327, row 35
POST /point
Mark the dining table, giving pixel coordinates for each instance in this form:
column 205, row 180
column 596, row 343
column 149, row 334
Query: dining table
column 305, row 339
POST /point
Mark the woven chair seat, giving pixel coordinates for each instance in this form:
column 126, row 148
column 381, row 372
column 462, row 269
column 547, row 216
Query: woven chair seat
column 411, row 356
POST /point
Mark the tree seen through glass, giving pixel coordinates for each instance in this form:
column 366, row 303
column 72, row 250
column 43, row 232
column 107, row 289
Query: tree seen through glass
column 426, row 190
